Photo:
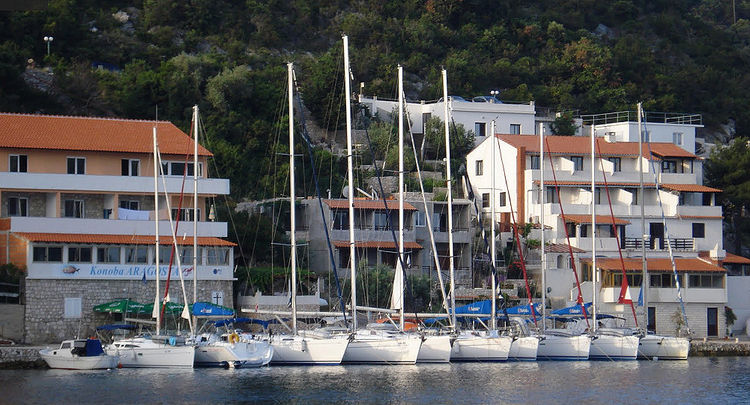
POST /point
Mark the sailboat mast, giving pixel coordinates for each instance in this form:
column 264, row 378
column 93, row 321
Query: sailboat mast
column 644, row 271
column 350, row 178
column 399, row 268
column 594, row 272
column 493, row 312
column 157, row 311
column 450, row 198
column 195, row 205
column 292, row 214
column 541, row 221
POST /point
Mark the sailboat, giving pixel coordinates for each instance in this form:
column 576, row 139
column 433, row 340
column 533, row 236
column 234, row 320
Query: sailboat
column 652, row 346
column 369, row 346
column 156, row 350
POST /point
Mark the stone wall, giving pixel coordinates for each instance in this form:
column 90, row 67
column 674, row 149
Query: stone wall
column 11, row 321
column 45, row 321
column 17, row 357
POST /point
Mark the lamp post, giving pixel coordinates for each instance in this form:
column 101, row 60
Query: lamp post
column 48, row 40
column 495, row 94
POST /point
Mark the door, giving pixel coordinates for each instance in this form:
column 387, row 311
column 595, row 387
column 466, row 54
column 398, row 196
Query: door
column 651, row 324
column 656, row 229
column 712, row 321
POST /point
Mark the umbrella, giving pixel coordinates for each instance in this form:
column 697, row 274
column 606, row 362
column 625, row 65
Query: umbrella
column 121, row 306
column 169, row 308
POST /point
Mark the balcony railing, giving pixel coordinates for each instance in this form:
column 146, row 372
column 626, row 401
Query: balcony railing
column 682, row 244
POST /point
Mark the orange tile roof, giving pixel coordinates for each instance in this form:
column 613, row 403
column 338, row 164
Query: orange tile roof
column 561, row 248
column 657, row 264
column 690, row 188
column 551, row 183
column 735, row 259
column 580, row 145
column 118, row 239
column 368, row 204
column 600, row 219
column 376, row 244
column 32, row 131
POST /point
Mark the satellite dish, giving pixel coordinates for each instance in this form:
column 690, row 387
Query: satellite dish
column 345, row 191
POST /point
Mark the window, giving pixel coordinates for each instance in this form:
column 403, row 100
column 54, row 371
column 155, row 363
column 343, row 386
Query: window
column 340, row 219
column 677, row 138
column 617, row 163
column 73, row 209
column 551, row 196
column 501, row 198
column 79, row 254
column 178, row 169
column 706, row 280
column 436, row 221
column 570, row 228
column 480, row 167
column 534, row 161
column 707, row 199
column 72, row 307
column 186, row 255
column 515, row 129
column 165, row 253
column 136, row 254
column 480, row 129
column 130, row 167
column 485, row 200
column 47, row 253
column 217, row 256
column 699, row 230
column 420, row 220
column 664, row 280
column 18, row 207
column 634, row 193
column 185, row 214
column 598, row 196
column 76, row 165
column 108, row 254
column 380, row 220
column 130, row 204
column 18, row 163
column 577, row 162
column 669, row 166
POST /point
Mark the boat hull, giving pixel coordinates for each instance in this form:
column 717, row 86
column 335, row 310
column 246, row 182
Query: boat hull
column 663, row 348
column 377, row 349
column 141, row 352
column 435, row 349
column 236, row 355
column 552, row 347
column 56, row 359
column 298, row 350
column 524, row 349
column 480, row 348
column 606, row 347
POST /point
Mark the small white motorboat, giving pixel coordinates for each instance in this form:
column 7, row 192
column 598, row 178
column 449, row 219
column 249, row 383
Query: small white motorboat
column 79, row 354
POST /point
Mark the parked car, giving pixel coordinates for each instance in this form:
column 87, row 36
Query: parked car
column 453, row 98
column 486, row 99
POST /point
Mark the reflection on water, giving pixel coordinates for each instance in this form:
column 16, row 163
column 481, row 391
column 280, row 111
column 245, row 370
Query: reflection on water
column 698, row 380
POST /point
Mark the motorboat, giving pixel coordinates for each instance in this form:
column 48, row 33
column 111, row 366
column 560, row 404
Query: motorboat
column 153, row 351
column 79, row 354
column 228, row 350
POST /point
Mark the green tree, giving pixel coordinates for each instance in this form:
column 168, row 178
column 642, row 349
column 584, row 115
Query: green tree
column 564, row 125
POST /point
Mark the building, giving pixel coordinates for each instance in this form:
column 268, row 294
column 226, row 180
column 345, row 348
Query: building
column 77, row 199
column 680, row 210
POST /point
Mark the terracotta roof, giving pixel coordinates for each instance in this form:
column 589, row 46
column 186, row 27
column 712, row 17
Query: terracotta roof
column 690, row 188
column 581, row 145
column 735, row 259
column 700, row 217
column 561, row 248
column 31, row 131
column 368, row 204
column 657, row 264
column 118, row 239
column 376, row 244
column 550, row 183
column 600, row 219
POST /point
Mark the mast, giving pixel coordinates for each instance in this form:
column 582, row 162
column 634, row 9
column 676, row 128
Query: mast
column 541, row 221
column 594, row 272
column 292, row 214
column 350, row 178
column 195, row 206
column 644, row 272
column 157, row 310
column 493, row 312
column 450, row 199
column 399, row 268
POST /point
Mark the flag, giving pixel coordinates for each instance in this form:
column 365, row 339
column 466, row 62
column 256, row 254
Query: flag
column 640, row 298
column 143, row 279
column 626, row 299
column 185, row 312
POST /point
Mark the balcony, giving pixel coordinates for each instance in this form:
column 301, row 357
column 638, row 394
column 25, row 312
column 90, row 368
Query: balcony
column 111, row 226
column 610, row 295
column 107, row 184
column 679, row 244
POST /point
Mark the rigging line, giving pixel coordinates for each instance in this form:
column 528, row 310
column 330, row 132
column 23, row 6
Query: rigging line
column 579, row 299
column 666, row 236
column 496, row 142
column 308, row 143
column 624, row 287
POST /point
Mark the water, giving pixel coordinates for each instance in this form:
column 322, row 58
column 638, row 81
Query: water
column 724, row 380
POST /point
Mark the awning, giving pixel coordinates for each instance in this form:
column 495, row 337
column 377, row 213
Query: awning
column 376, row 244
column 600, row 219
column 118, row 239
column 657, row 265
column 169, row 308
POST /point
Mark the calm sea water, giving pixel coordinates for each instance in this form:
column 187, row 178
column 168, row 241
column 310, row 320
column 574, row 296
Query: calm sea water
column 699, row 380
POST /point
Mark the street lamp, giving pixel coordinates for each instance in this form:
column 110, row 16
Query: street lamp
column 495, row 94
column 48, row 40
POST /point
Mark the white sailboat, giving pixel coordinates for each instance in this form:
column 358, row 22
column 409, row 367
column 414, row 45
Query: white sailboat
column 472, row 345
column 653, row 346
column 555, row 344
column 79, row 354
column 369, row 346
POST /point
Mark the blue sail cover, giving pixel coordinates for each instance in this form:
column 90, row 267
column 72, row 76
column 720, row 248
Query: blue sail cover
column 574, row 310
column 209, row 309
column 521, row 310
column 260, row 322
column 479, row 307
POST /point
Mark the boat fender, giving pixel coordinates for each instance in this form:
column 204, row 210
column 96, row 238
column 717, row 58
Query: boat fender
column 234, row 338
column 172, row 341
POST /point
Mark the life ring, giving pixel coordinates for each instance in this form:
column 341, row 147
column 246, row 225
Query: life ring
column 234, row 338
